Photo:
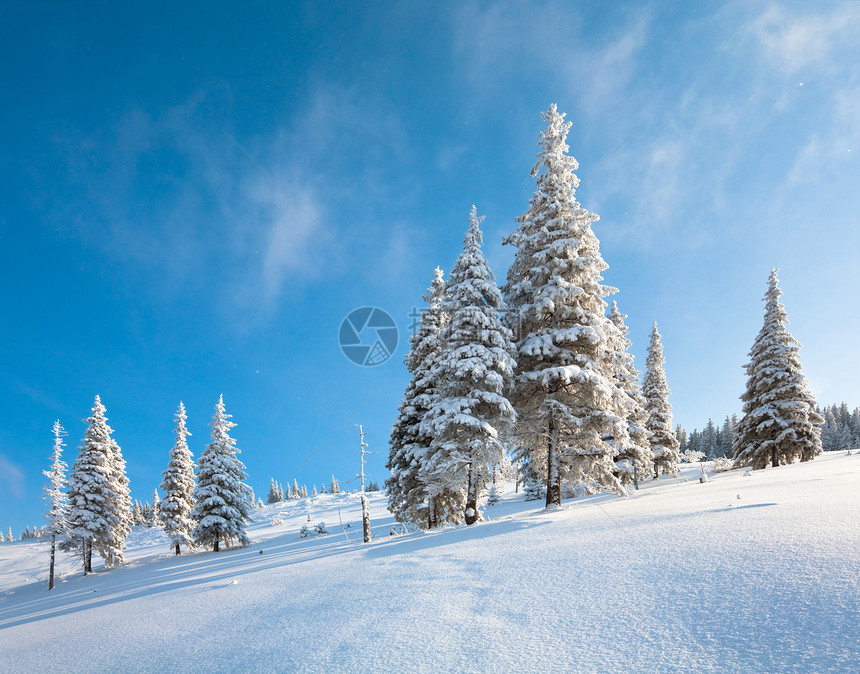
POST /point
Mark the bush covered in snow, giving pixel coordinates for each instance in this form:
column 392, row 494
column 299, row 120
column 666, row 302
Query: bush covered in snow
column 721, row 465
column 691, row 456
column 277, row 522
column 320, row 529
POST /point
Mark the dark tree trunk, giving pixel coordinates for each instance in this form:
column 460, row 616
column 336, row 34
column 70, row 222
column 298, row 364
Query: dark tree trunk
column 88, row 555
column 53, row 554
column 215, row 547
column 553, row 479
column 472, row 497
column 177, row 549
column 773, row 458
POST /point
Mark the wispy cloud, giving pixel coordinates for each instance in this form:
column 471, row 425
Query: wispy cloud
column 792, row 41
column 170, row 193
column 494, row 41
column 11, row 476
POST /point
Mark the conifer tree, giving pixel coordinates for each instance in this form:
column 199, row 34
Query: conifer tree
column 634, row 459
column 221, row 507
column 296, row 493
column 335, row 487
column 655, row 389
column 57, row 515
column 780, row 423
column 564, row 392
column 155, row 513
column 99, row 500
column 408, row 498
column 9, row 537
column 178, row 486
column 473, row 373
column 709, row 440
column 273, row 495
column 137, row 514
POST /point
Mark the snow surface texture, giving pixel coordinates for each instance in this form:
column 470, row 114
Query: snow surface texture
column 747, row 572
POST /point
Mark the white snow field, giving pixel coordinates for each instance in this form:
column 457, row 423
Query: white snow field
column 746, row 573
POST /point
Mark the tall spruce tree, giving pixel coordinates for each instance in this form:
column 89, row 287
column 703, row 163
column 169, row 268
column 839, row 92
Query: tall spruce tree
column 221, row 507
column 780, row 423
column 565, row 393
column 408, row 497
column 473, row 372
column 178, row 486
column 655, row 389
column 58, row 510
column 99, row 499
column 634, row 459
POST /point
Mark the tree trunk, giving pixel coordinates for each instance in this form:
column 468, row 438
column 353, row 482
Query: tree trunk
column 88, row 555
column 365, row 517
column 177, row 549
column 553, row 493
column 53, row 554
column 773, row 459
column 215, row 547
column 472, row 497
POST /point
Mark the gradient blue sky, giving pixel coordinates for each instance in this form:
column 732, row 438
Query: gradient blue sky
column 146, row 258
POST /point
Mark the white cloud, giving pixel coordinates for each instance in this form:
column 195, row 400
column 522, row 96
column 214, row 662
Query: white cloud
column 792, row 42
column 216, row 207
column 494, row 41
column 11, row 476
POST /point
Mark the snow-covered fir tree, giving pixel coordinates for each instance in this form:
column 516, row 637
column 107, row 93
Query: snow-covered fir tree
column 655, row 390
column 155, row 511
column 99, row 500
column 408, row 498
column 137, row 514
column 273, row 496
column 841, row 429
column 296, row 492
column 178, row 486
column 780, row 422
column 9, row 537
column 709, row 440
column 472, row 374
column 221, row 507
column 634, row 459
column 335, row 486
column 565, row 393
column 55, row 495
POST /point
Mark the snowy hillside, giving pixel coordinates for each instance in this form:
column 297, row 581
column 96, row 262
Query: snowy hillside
column 748, row 572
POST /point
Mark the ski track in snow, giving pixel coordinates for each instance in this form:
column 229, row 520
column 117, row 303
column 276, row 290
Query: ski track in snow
column 682, row 576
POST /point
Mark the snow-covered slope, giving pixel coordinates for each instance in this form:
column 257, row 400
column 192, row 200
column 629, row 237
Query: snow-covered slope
column 748, row 572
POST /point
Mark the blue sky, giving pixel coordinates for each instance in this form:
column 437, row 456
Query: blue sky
column 146, row 258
